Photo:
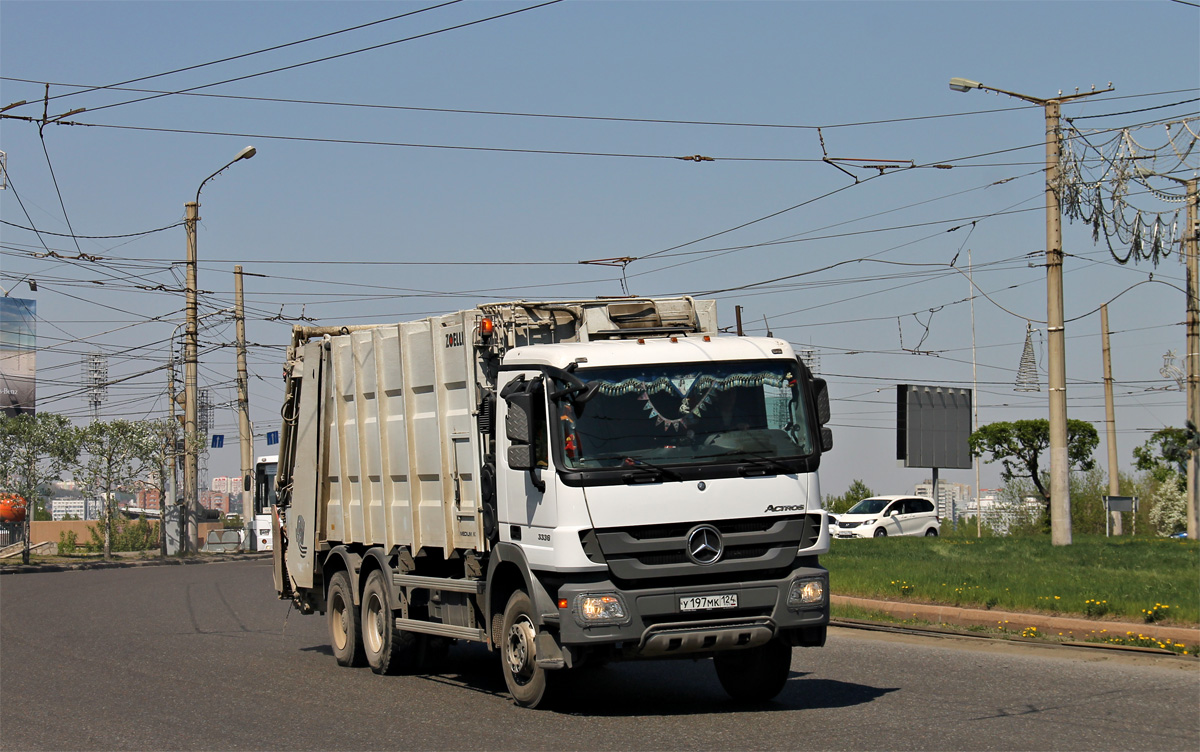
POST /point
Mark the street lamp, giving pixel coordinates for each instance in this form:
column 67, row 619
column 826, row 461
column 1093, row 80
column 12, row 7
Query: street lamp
column 1192, row 359
column 191, row 495
column 1060, row 493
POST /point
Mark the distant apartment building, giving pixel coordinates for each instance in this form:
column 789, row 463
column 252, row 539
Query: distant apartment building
column 952, row 500
column 215, row 500
column 223, row 485
column 1001, row 514
column 149, row 498
column 78, row 508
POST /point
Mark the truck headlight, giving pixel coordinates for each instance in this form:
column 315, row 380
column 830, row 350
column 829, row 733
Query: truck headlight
column 806, row 593
column 600, row 607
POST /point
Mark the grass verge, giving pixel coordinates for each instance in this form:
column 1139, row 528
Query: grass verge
column 1133, row 579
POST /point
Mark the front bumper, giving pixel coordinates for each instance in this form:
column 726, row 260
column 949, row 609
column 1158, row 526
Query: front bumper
column 655, row 625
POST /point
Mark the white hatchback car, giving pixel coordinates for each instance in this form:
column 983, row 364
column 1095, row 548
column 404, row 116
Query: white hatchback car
column 880, row 516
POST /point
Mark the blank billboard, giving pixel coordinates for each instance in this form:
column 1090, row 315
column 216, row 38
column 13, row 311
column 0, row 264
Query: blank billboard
column 932, row 426
column 18, row 348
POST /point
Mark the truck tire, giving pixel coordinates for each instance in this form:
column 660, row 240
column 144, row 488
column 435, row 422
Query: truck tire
column 342, row 616
column 388, row 650
column 754, row 674
column 518, row 656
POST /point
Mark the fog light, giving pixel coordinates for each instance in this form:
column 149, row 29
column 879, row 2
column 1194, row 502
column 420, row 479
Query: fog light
column 806, row 592
column 595, row 608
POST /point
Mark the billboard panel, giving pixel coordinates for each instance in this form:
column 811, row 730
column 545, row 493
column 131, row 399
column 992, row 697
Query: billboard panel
column 932, row 426
column 18, row 347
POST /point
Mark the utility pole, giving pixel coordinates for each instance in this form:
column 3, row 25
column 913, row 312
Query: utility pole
column 168, row 500
column 191, row 396
column 1110, row 420
column 243, row 385
column 1193, row 356
column 191, row 439
column 737, row 312
column 1060, row 489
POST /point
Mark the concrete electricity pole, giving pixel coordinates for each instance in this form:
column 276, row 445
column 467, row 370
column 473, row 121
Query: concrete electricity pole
column 191, row 405
column 243, row 385
column 1060, row 490
column 1193, row 355
column 1110, row 419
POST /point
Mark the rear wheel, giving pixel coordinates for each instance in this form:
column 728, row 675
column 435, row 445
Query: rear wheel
column 518, row 653
column 343, row 622
column 880, row 533
column 931, row 532
column 389, row 650
column 754, row 674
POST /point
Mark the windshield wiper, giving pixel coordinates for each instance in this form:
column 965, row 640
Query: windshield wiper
column 758, row 459
column 633, row 463
column 666, row 473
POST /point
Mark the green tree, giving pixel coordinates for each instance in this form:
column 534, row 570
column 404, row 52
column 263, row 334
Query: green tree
column 1163, row 455
column 159, row 466
column 119, row 452
column 856, row 493
column 35, row 450
column 1019, row 444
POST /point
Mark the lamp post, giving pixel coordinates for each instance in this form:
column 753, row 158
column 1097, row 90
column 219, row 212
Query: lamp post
column 1192, row 357
column 1060, row 492
column 191, row 496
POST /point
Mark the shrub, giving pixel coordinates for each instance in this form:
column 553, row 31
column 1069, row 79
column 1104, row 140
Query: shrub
column 1168, row 514
column 127, row 535
column 68, row 542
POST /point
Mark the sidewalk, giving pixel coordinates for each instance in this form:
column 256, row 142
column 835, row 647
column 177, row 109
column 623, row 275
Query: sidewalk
column 1016, row 621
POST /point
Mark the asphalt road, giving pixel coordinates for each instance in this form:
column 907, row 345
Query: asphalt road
column 205, row 657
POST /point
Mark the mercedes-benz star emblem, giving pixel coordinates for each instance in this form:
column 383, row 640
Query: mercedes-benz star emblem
column 704, row 545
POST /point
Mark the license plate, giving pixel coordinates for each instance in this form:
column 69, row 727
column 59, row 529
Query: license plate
column 706, row 602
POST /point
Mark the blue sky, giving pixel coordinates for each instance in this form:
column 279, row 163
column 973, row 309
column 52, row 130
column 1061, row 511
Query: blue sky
column 388, row 206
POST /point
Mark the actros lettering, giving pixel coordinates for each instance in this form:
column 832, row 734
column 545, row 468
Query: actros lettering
column 791, row 508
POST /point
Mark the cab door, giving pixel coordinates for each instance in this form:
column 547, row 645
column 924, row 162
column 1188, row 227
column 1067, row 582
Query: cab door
column 525, row 480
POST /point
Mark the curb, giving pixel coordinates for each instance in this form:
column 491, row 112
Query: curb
column 118, row 564
column 1018, row 620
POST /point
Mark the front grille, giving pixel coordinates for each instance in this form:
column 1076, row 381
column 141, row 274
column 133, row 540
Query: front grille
column 660, row 551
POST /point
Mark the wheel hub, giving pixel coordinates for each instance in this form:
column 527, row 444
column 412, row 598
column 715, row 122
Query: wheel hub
column 521, row 650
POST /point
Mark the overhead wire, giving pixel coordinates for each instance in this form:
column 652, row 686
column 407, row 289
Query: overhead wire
column 273, row 48
column 327, row 58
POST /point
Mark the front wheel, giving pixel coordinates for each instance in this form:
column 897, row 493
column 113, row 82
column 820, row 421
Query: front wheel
column 518, row 652
column 754, row 674
column 880, row 533
column 342, row 616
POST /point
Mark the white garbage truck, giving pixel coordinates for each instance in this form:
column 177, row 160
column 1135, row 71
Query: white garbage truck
column 565, row 482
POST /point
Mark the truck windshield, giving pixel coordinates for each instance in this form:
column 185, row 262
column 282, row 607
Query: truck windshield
column 685, row 413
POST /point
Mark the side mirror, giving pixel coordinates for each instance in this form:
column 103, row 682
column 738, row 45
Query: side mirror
column 821, row 387
column 518, row 426
column 246, row 482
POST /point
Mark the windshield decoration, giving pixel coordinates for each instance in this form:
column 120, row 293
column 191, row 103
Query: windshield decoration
column 671, row 402
column 675, row 414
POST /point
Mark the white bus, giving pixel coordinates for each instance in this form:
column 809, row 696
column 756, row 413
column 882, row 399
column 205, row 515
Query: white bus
column 264, row 499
